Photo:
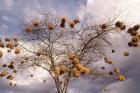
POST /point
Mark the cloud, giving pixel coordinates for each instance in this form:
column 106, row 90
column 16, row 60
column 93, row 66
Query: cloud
column 12, row 12
column 130, row 66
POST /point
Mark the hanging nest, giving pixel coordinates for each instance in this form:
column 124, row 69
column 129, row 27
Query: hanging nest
column 117, row 70
column 103, row 26
column 63, row 69
column 22, row 62
column 135, row 44
column 16, row 44
column 36, row 23
column 1, row 54
column 76, row 21
column 63, row 19
column 136, row 27
column 50, row 26
column 75, row 61
column 7, row 39
column 130, row 30
column 130, row 44
column 57, row 71
column 17, row 50
column 108, row 61
column 123, row 27
column 15, row 39
column 4, row 65
column 2, row 45
column 135, row 39
column 121, row 78
column 10, row 84
column 62, row 25
column 72, row 24
column 86, row 70
column 15, row 85
column 29, row 29
column 72, row 56
column 11, row 66
column 133, row 33
column 4, row 73
column 103, row 68
column 10, row 77
column 31, row 75
column 44, row 81
column 12, row 62
column 138, row 36
column 126, row 54
column 110, row 73
column 113, row 51
column 79, row 66
column 118, row 24
column 10, row 45
column 9, row 51
column 15, row 71
column 0, row 40
column 38, row 53
column 75, row 72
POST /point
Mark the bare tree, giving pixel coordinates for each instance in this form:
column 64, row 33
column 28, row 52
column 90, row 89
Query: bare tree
column 66, row 48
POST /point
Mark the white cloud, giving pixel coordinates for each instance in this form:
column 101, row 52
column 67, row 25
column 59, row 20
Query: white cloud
column 8, row 3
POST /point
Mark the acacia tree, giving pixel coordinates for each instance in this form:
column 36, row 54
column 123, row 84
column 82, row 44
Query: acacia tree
column 65, row 48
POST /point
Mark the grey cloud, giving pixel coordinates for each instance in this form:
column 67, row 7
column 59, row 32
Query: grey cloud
column 10, row 15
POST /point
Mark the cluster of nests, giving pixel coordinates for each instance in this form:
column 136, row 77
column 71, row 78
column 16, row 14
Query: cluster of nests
column 71, row 24
column 10, row 65
column 36, row 24
column 40, row 52
column 10, row 44
column 6, row 74
column 125, row 53
column 133, row 31
column 76, row 70
column 51, row 26
column 12, row 84
column 118, row 24
column 120, row 77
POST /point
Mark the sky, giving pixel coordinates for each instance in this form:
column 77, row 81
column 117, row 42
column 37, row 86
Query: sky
column 12, row 12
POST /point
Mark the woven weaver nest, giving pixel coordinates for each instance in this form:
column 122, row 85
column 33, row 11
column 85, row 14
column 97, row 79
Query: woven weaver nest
column 17, row 50
column 50, row 26
column 135, row 39
column 63, row 19
column 117, row 70
column 36, row 23
column 126, row 53
column 61, row 69
column 118, row 24
column 28, row 29
column 10, row 45
column 62, row 25
column 103, row 26
column 4, row 73
column 1, row 54
column 133, row 33
column 72, row 24
column 108, row 61
column 136, row 27
column 2, row 45
column 75, row 72
column 76, row 21
column 121, row 78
